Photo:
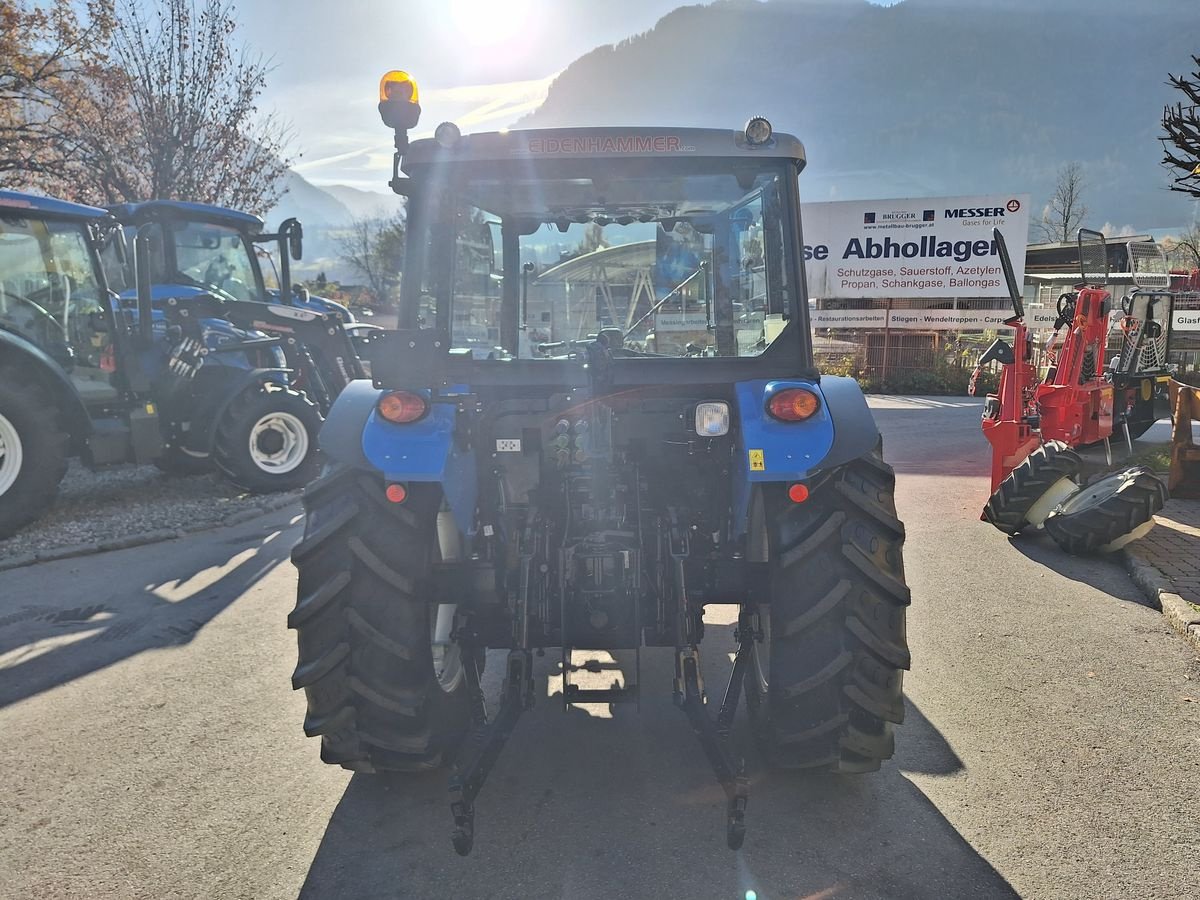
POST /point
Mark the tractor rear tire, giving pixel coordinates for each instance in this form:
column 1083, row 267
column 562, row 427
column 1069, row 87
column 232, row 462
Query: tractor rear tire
column 267, row 440
column 1043, row 479
column 825, row 682
column 33, row 451
column 366, row 658
column 1108, row 513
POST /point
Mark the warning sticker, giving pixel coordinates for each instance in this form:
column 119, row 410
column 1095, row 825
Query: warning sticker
column 757, row 462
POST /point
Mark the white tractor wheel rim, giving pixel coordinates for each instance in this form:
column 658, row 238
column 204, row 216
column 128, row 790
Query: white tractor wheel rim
column 278, row 443
column 11, row 455
column 1058, row 493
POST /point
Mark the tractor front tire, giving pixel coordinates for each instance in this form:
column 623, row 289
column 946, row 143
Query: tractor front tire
column 1108, row 513
column 267, row 440
column 825, row 683
column 1043, row 479
column 366, row 660
column 33, row 451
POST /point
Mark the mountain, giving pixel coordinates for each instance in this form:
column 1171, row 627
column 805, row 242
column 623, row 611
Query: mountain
column 922, row 98
column 364, row 204
column 313, row 206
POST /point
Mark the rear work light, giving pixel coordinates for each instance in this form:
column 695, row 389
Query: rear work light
column 402, row 407
column 793, row 405
column 712, row 418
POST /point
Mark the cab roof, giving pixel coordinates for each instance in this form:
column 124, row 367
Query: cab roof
column 49, row 207
column 603, row 143
column 152, row 210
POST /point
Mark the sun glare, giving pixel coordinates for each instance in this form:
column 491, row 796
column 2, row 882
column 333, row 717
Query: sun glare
column 492, row 23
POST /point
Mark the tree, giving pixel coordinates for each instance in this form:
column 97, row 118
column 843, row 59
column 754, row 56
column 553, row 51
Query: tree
column 41, row 47
column 1181, row 142
column 170, row 112
column 374, row 247
column 1065, row 212
column 1184, row 252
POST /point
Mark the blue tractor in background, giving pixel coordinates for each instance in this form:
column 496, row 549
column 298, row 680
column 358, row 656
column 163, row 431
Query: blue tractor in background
column 661, row 447
column 212, row 250
column 84, row 372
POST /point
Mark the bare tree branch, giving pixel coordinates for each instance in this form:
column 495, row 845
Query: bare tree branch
column 1066, row 211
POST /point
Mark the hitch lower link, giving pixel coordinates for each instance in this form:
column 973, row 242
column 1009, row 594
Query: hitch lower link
column 487, row 739
column 714, row 734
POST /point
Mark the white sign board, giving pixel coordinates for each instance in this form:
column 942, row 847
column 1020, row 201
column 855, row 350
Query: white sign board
column 1186, row 320
column 931, row 247
column 931, row 319
column 687, row 321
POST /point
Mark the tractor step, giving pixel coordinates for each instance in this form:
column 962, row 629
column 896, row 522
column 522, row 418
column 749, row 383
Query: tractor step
column 576, row 694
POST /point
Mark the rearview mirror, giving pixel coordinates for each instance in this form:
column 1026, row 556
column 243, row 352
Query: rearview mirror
column 1014, row 289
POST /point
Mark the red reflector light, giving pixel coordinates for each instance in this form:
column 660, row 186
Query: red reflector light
column 798, row 493
column 402, row 407
column 793, row 405
column 397, row 493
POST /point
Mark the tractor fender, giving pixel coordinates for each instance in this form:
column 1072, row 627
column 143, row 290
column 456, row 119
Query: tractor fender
column 854, row 430
column 841, row 430
column 423, row 451
column 32, row 359
column 341, row 436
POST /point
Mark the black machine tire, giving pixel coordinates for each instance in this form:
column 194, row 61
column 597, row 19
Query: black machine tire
column 1023, row 499
column 28, row 413
column 365, row 650
column 1108, row 513
column 830, row 688
column 278, row 414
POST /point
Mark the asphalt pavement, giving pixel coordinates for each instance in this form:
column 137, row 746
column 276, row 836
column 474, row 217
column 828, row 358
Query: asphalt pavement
column 152, row 743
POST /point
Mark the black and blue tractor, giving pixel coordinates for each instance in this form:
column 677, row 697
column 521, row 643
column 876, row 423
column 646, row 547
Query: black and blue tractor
column 208, row 257
column 216, row 250
column 650, row 437
column 87, row 373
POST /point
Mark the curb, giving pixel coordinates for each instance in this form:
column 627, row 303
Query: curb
column 1180, row 614
column 153, row 537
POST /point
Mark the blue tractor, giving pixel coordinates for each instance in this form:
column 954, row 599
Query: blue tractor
column 212, row 250
column 666, row 443
column 86, row 373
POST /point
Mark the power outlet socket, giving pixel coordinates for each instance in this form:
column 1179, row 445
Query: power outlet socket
column 508, row 445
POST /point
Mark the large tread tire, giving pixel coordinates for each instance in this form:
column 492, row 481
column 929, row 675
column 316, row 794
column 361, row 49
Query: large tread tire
column 835, row 634
column 1043, row 470
column 365, row 654
column 232, row 451
column 29, row 411
column 1108, row 513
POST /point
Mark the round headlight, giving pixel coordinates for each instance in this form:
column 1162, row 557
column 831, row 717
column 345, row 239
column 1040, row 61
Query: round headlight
column 447, row 134
column 758, row 131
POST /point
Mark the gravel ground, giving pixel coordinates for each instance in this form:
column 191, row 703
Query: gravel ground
column 126, row 505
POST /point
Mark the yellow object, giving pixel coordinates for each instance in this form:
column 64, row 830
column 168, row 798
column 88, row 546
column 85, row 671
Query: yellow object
column 150, row 410
column 397, row 81
column 758, row 462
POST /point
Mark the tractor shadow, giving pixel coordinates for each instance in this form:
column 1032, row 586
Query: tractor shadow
column 140, row 599
column 623, row 804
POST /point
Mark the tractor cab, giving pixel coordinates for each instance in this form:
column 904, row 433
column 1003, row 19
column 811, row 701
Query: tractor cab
column 666, row 244
column 53, row 292
column 203, row 249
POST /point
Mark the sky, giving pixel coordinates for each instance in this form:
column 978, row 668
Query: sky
column 480, row 63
